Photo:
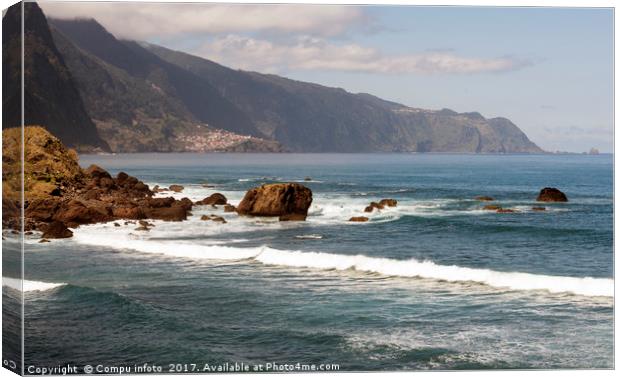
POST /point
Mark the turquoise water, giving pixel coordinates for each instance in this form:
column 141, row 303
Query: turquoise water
column 435, row 283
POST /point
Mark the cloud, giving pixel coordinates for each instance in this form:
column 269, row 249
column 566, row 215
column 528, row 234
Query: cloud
column 147, row 20
column 312, row 53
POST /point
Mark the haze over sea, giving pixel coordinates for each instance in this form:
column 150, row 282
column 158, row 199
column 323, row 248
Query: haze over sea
column 436, row 282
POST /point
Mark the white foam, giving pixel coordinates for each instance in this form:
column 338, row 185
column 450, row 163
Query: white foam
column 390, row 267
column 413, row 268
column 29, row 285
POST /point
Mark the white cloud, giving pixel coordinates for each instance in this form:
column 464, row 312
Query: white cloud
column 146, row 20
column 311, row 53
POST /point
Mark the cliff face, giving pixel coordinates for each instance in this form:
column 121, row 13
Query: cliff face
column 93, row 91
column 314, row 118
column 141, row 103
column 50, row 97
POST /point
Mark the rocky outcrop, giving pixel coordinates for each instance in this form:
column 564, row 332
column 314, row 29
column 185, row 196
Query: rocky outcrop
column 214, row 199
column 60, row 192
column 279, row 199
column 551, row 194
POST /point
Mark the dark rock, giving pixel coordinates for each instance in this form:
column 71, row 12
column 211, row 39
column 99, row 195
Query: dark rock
column 117, row 224
column 185, row 203
column 42, row 209
column 94, row 171
column 307, row 179
column 551, row 194
column 160, row 202
column 388, row 202
column 121, row 177
column 293, row 217
column 484, row 198
column 139, row 186
column 229, row 208
column 214, row 199
column 359, row 219
column 174, row 213
column 215, row 218
column 43, row 240
column 539, row 209
column 56, row 229
column 277, row 199
column 133, row 213
column 80, row 212
column 56, row 192
column 506, row 210
column 491, row 207
column 176, row 188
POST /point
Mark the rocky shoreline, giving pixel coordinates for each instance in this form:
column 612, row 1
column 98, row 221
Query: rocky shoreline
column 60, row 196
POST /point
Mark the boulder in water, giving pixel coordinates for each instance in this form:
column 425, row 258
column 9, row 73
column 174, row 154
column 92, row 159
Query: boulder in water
column 56, row 229
column 213, row 199
column 277, row 199
column 551, row 194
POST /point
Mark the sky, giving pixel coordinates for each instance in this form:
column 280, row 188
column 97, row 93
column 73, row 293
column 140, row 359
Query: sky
column 549, row 70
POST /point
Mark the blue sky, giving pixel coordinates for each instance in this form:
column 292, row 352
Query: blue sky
column 549, row 70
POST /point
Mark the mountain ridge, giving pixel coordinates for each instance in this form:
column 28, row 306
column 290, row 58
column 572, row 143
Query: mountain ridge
column 140, row 97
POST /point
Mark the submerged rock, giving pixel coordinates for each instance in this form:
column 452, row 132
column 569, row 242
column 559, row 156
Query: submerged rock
column 491, row 207
column 506, row 210
column 56, row 229
column 278, row 199
column 539, row 209
column 551, row 194
column 229, row 208
column 484, row 198
column 359, row 219
column 176, row 188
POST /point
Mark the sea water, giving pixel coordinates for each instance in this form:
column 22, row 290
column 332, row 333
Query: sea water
column 434, row 283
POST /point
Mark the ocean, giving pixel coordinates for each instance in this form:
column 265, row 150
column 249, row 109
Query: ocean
column 434, row 283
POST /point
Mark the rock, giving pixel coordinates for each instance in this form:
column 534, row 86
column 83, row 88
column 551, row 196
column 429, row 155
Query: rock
column 185, row 203
column 106, row 182
column 551, row 194
column 376, row 205
column 484, row 198
column 94, row 171
column 139, row 186
column 359, row 219
column 160, row 202
column 93, row 194
column 176, row 188
column 75, row 211
column 218, row 219
column 388, row 202
column 56, row 229
column 307, row 179
column 229, row 208
column 133, row 213
column 491, row 207
column 174, row 213
column 121, row 177
column 505, row 210
column 539, row 209
column 215, row 218
column 43, row 240
column 214, row 199
column 42, row 209
column 117, row 224
column 276, row 199
column 28, row 233
column 293, row 217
